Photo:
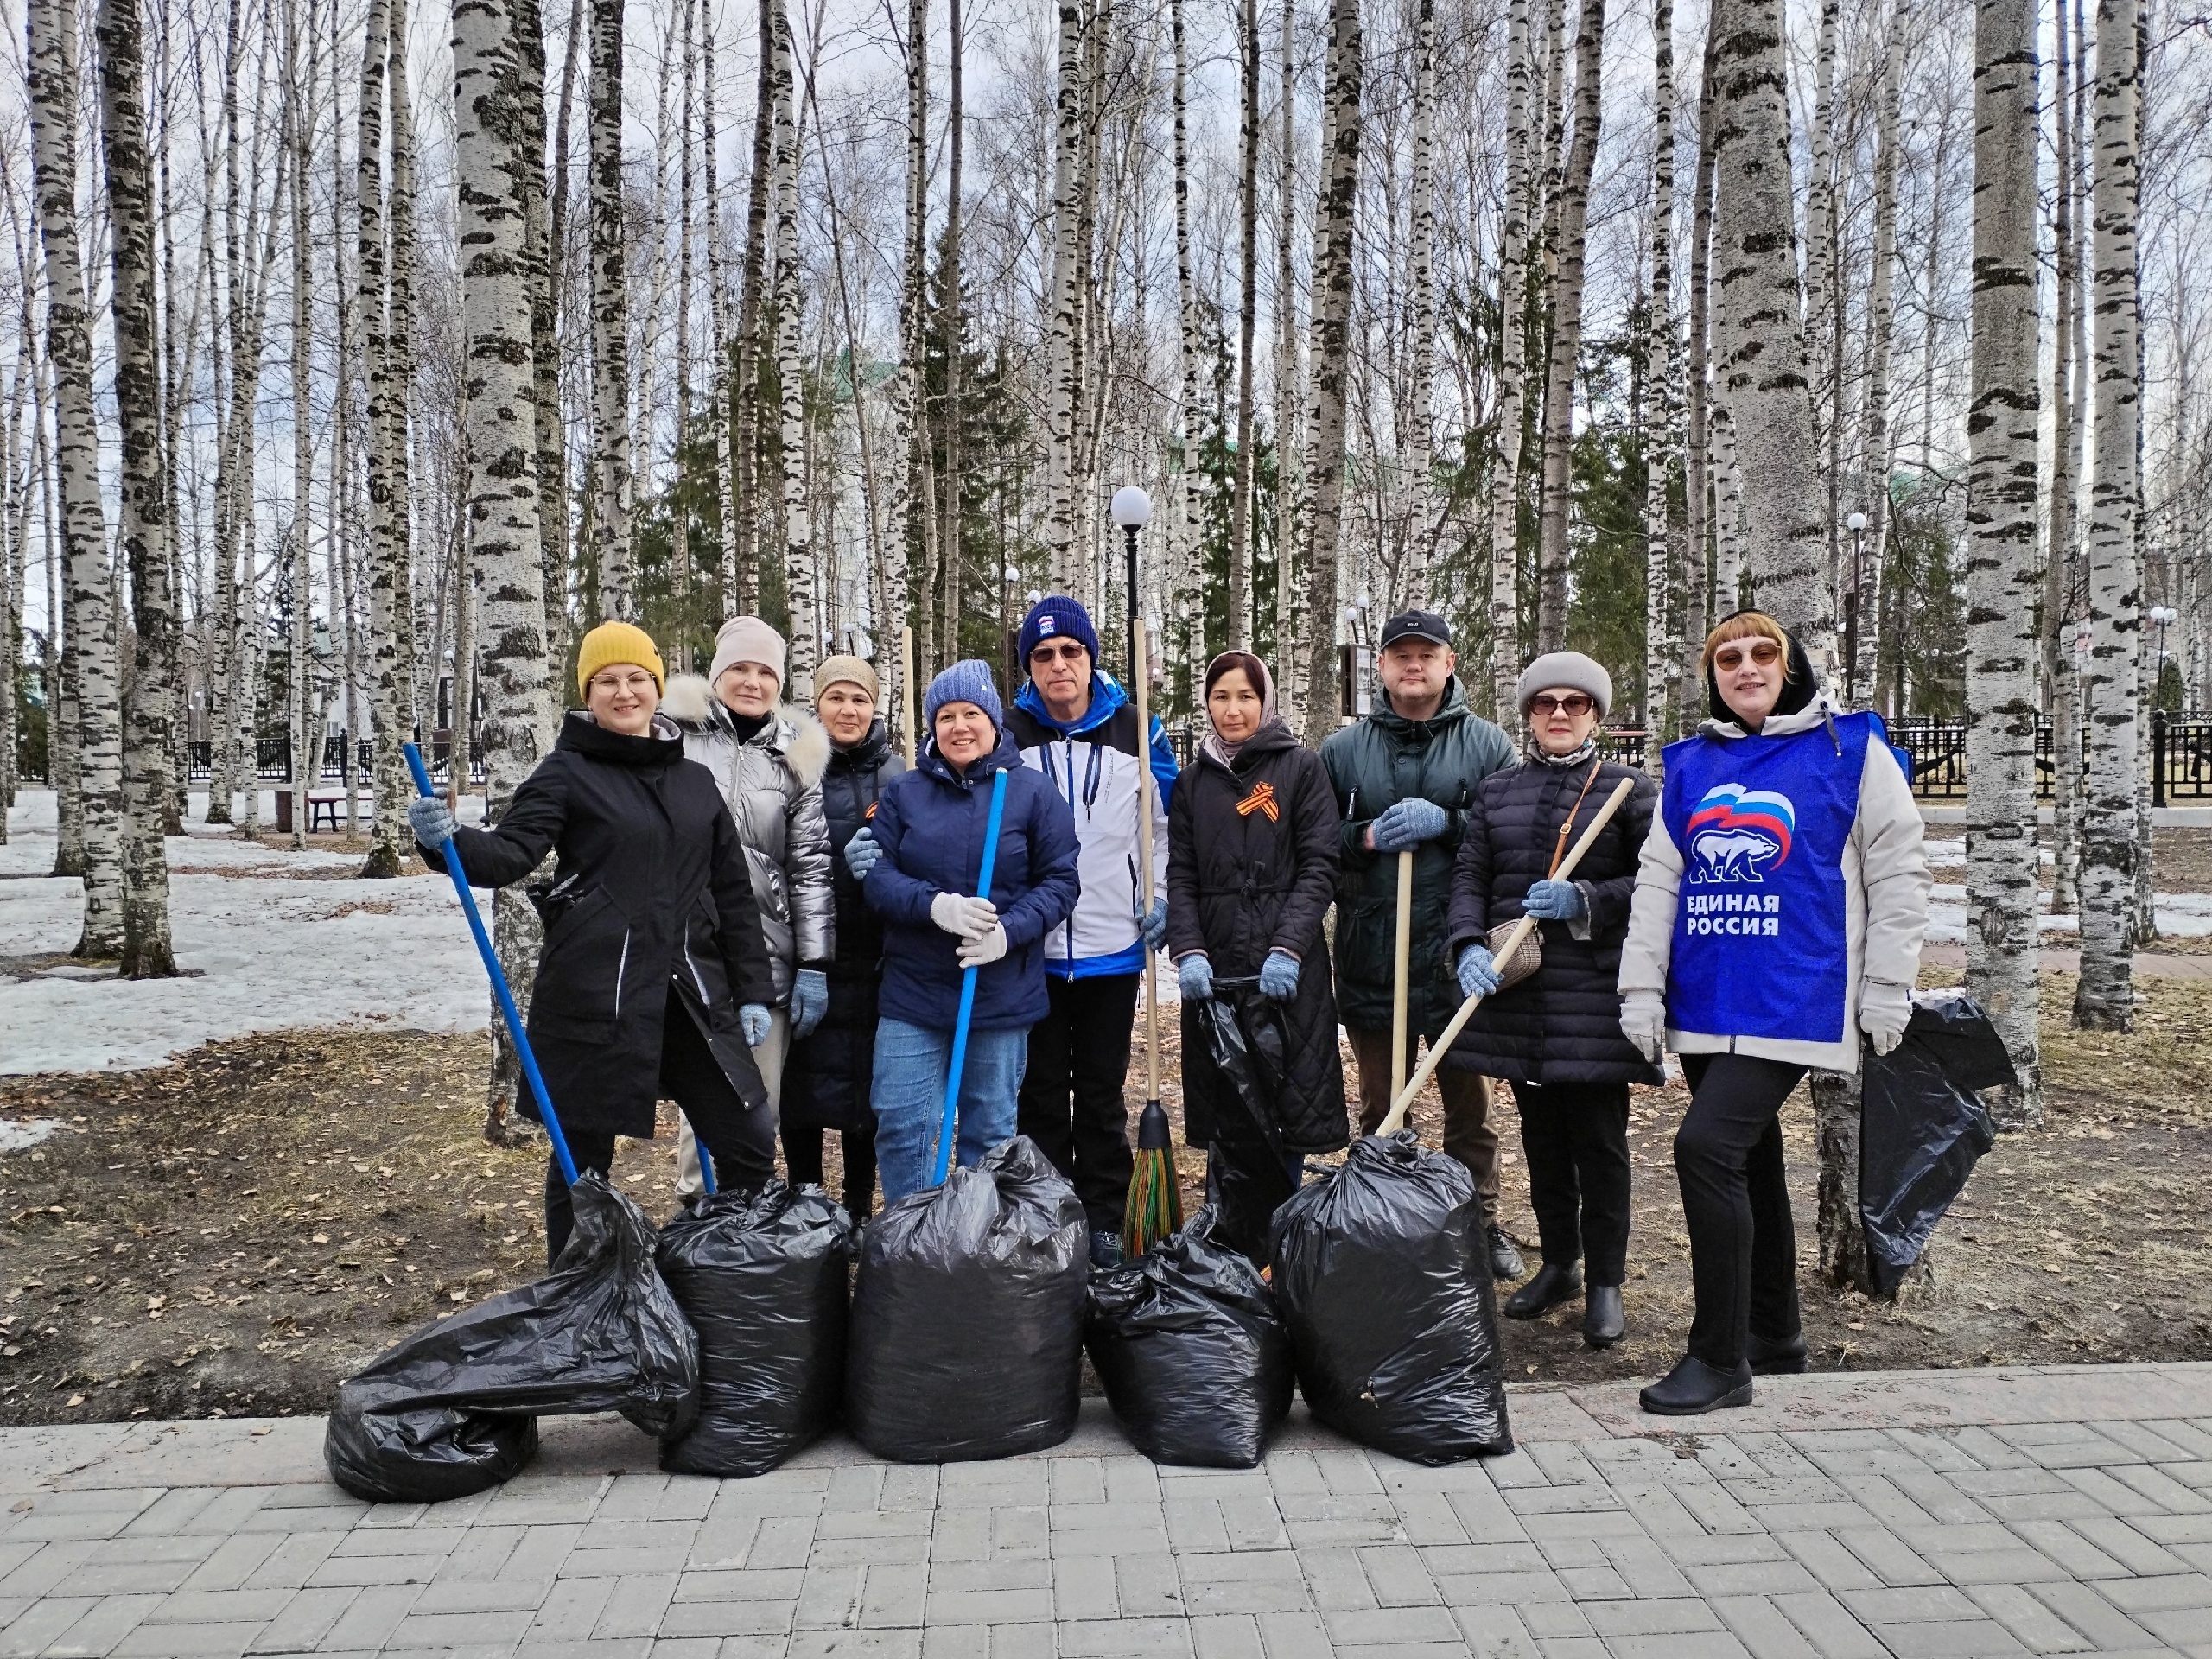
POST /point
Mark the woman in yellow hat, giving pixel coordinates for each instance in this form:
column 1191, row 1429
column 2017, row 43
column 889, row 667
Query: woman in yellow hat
column 654, row 980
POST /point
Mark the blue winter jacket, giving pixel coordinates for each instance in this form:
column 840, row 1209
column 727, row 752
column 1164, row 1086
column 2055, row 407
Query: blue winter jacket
column 930, row 822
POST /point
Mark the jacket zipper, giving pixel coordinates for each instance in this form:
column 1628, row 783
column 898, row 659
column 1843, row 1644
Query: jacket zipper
column 620, row 968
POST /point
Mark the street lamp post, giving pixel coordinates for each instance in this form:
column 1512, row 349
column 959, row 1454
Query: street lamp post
column 1132, row 511
column 1857, row 524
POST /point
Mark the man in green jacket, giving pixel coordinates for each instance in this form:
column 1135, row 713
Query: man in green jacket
column 1404, row 778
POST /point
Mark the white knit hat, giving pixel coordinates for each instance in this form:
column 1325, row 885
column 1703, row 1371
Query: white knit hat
column 748, row 639
column 1570, row 668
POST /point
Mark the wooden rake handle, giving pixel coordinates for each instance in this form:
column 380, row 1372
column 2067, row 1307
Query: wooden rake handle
column 1397, row 1117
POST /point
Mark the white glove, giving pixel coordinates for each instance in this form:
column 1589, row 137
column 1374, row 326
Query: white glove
column 1884, row 1010
column 963, row 918
column 431, row 819
column 1644, row 1022
column 985, row 947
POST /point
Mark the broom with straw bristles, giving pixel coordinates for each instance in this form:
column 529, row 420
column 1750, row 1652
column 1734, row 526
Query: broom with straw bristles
column 1155, row 1206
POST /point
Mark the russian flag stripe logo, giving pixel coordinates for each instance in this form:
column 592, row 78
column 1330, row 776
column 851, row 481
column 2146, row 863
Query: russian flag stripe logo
column 1731, row 806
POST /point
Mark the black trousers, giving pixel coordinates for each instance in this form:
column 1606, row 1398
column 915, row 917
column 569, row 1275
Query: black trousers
column 741, row 1142
column 1736, row 1199
column 1071, row 1102
column 803, row 1159
column 1575, row 1137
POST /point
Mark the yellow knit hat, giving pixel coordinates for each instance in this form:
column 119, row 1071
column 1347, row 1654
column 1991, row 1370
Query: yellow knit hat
column 618, row 642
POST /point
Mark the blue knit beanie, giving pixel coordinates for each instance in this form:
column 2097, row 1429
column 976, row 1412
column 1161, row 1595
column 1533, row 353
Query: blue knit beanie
column 1057, row 617
column 966, row 681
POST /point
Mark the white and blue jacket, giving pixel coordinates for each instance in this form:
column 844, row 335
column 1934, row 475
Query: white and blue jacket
column 1095, row 766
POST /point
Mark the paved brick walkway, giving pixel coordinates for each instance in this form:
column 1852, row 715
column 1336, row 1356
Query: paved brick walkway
column 2046, row 1510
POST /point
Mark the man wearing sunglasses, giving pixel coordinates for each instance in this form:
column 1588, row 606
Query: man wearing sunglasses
column 1078, row 727
column 1405, row 776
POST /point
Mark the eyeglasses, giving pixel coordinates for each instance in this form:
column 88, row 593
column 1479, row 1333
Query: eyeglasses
column 637, row 685
column 1574, row 703
column 1764, row 652
column 1068, row 652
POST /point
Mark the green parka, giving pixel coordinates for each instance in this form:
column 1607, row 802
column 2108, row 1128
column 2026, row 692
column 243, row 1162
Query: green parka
column 1374, row 764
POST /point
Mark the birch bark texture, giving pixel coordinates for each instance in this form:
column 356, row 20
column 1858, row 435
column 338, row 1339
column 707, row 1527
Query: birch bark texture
column 90, row 615
column 798, row 536
column 148, row 710
column 2002, row 419
column 610, row 322
column 1513, row 344
column 1762, row 369
column 1417, row 508
column 1661, row 383
column 2105, row 997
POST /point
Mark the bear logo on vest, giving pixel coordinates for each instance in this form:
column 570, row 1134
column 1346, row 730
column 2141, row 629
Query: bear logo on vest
column 1736, row 834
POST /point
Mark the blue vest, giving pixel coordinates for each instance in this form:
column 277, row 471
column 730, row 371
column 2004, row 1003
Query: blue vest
column 1760, row 925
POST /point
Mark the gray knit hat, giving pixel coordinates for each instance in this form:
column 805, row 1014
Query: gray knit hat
column 966, row 681
column 1569, row 669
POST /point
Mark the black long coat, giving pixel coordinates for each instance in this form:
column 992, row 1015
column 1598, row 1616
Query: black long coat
column 1563, row 1024
column 1241, row 884
column 651, row 890
column 826, row 1079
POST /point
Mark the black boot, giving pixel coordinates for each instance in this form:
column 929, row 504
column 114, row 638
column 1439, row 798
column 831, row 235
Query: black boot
column 1504, row 1261
column 1693, row 1387
column 1775, row 1356
column 1602, row 1318
column 1553, row 1285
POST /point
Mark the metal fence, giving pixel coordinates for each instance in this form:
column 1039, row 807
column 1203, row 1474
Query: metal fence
column 273, row 760
column 2181, row 757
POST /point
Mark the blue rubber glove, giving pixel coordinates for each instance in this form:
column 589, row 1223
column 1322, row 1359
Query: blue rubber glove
column 1194, row 977
column 431, row 819
column 809, row 1001
column 1279, row 976
column 861, row 854
column 1555, row 901
column 1154, row 926
column 755, row 1022
column 1477, row 971
column 1407, row 824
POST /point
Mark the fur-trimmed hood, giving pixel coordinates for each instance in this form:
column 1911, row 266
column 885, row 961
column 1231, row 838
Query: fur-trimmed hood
column 800, row 740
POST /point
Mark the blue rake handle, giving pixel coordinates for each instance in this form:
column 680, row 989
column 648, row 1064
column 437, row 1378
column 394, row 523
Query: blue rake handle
column 545, row 1113
column 968, row 986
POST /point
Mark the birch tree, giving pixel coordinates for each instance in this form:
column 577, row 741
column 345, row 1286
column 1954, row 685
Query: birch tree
column 798, row 552
column 1247, row 305
column 1062, row 390
column 90, row 615
column 1864, row 585
column 2001, row 585
column 1418, row 489
column 149, row 709
column 1659, row 381
column 2105, row 998
column 2069, row 376
column 610, row 315
column 1513, row 338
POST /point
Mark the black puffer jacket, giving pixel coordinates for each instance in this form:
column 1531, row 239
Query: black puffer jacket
column 652, row 889
column 1242, row 883
column 1563, row 1024
column 827, row 1078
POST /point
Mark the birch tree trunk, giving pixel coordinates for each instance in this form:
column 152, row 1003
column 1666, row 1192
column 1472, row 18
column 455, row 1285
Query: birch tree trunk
column 2061, row 680
column 798, row 552
column 754, row 314
column 1189, row 581
column 610, row 315
column 540, row 254
column 148, row 710
column 1823, row 302
column 1763, row 347
column 2001, row 577
column 1329, row 334
column 299, row 568
column 1864, row 588
column 1290, row 437
column 1513, row 343
column 1572, row 209
column 1062, row 390
column 2105, row 1000
column 1418, row 511
column 1698, row 604
column 387, row 552
column 89, row 614
column 1659, row 647
column 1247, row 305
column 718, row 314
column 952, row 327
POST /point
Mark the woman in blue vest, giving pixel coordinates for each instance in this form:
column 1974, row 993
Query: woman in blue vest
column 1779, row 912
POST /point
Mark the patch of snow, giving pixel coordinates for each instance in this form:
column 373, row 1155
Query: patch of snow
column 22, row 1133
column 265, row 951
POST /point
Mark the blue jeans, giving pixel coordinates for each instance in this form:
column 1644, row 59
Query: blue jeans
column 908, row 1094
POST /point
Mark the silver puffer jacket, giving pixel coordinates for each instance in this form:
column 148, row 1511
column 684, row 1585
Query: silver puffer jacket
column 772, row 785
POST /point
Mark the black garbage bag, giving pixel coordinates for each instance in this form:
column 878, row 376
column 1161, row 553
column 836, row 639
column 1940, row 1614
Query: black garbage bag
column 1194, row 1356
column 967, row 1327
column 1246, row 1179
column 1922, row 1130
column 453, row 1408
column 1383, row 1277
column 763, row 1276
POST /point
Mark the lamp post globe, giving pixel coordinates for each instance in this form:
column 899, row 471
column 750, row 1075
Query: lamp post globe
column 1131, row 507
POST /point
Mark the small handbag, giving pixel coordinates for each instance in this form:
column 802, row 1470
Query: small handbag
column 1530, row 955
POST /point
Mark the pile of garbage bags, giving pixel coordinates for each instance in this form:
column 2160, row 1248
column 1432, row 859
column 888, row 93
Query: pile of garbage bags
column 763, row 1276
column 453, row 1408
column 967, row 1320
column 1383, row 1278
column 1194, row 1356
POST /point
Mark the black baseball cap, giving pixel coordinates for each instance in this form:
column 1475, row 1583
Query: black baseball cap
column 1417, row 624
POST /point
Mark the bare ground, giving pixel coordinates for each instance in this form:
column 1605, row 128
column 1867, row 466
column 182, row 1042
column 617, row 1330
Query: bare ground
column 233, row 1233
